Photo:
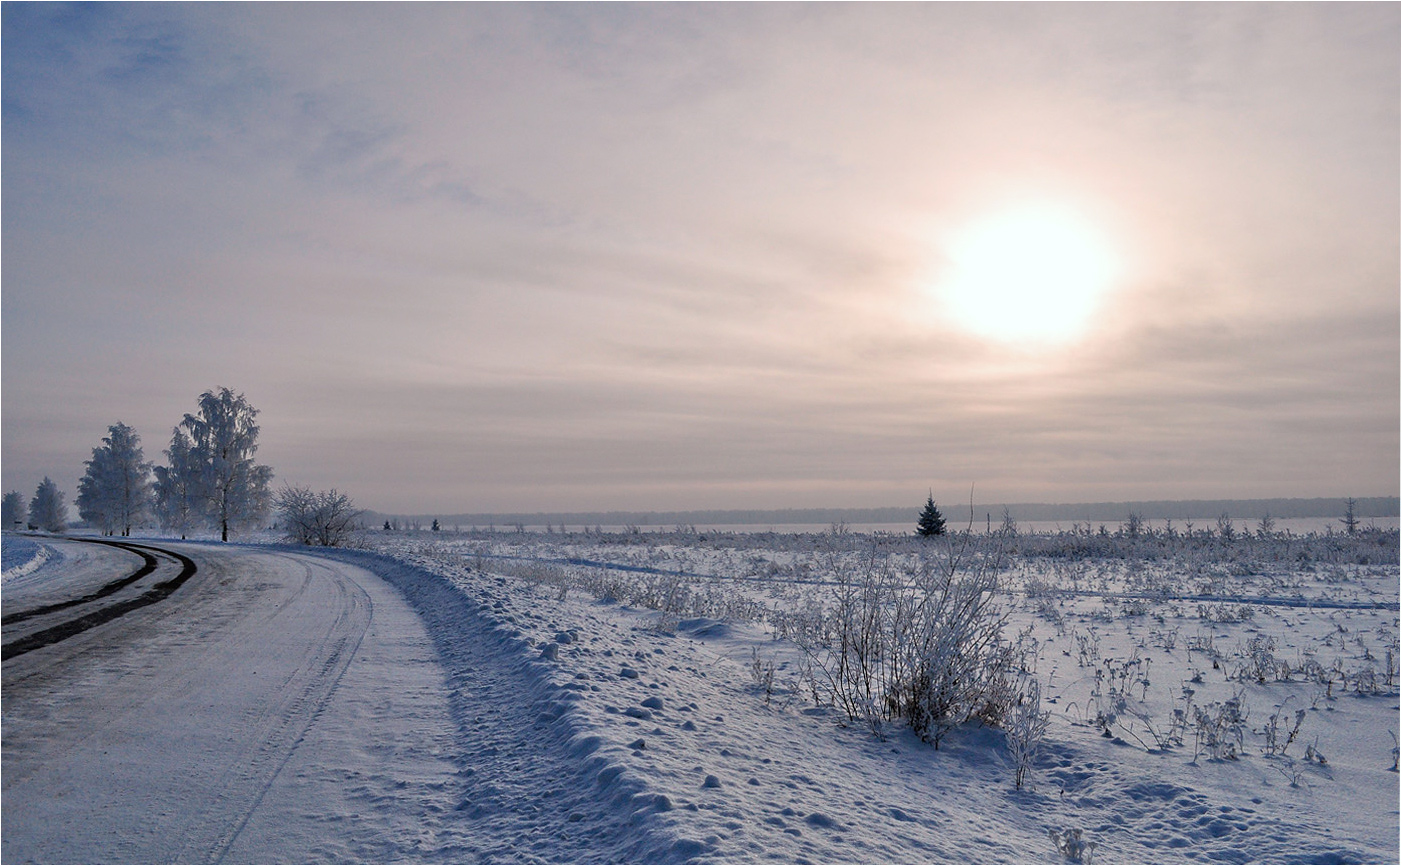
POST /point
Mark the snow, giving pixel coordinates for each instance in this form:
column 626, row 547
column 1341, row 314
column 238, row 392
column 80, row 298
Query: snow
column 745, row 778
column 23, row 557
column 463, row 699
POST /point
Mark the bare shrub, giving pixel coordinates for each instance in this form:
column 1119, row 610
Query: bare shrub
column 1072, row 845
column 325, row 518
column 1219, row 728
column 924, row 645
column 1279, row 733
column 1025, row 727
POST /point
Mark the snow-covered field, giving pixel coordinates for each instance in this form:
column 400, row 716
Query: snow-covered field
column 632, row 697
column 748, row 766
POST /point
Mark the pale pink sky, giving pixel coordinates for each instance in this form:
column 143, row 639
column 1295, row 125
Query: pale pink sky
column 496, row 257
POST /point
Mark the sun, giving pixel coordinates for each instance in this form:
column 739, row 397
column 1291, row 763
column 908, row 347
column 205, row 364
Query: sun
column 1030, row 275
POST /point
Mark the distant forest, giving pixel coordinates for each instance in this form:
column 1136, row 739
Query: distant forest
column 1252, row 509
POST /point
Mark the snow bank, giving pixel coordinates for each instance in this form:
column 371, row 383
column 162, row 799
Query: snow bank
column 23, row 556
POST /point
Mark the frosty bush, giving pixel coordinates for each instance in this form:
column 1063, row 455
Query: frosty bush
column 1219, row 728
column 1072, row 846
column 326, row 518
column 1025, row 727
column 1261, row 665
column 924, row 645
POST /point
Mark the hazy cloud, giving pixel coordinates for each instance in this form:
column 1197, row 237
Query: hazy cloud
column 498, row 256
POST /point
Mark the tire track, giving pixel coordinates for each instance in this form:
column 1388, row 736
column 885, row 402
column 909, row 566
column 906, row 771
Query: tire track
column 150, row 564
column 65, row 630
column 272, row 730
column 266, row 638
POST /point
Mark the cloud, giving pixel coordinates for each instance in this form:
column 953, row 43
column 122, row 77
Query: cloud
column 535, row 257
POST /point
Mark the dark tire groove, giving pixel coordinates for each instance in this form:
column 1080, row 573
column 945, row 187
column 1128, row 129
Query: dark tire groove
column 65, row 630
column 106, row 590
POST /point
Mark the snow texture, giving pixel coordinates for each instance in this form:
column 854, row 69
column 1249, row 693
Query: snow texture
column 476, row 716
column 23, row 556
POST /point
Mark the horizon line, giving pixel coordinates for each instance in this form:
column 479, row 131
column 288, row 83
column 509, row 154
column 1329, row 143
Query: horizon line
column 1285, row 508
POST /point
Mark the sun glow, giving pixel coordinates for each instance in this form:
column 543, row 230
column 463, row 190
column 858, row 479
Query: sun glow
column 1035, row 275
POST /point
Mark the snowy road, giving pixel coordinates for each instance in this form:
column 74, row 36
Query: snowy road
column 276, row 707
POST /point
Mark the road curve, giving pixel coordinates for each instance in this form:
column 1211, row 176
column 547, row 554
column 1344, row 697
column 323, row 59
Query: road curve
column 93, row 615
column 149, row 564
column 220, row 724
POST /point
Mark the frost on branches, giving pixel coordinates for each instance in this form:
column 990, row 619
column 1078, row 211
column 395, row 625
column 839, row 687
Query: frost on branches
column 326, row 518
column 212, row 478
column 115, row 493
column 47, row 510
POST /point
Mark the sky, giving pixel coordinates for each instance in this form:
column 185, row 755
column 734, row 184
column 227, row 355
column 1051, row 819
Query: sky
column 549, row 257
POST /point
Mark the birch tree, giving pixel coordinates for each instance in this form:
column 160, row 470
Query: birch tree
column 223, row 439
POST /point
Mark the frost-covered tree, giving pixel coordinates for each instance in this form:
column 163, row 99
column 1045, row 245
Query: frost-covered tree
column 47, row 510
column 179, row 502
column 115, row 492
column 223, row 439
column 12, row 512
column 931, row 522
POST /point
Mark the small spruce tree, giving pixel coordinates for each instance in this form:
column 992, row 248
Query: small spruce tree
column 1350, row 520
column 931, row 521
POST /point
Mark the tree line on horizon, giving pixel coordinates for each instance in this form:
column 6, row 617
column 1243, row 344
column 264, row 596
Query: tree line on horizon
column 1094, row 512
column 210, row 479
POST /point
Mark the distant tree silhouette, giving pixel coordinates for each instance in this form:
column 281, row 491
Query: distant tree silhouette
column 931, row 522
column 1349, row 520
column 46, row 509
column 14, row 511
